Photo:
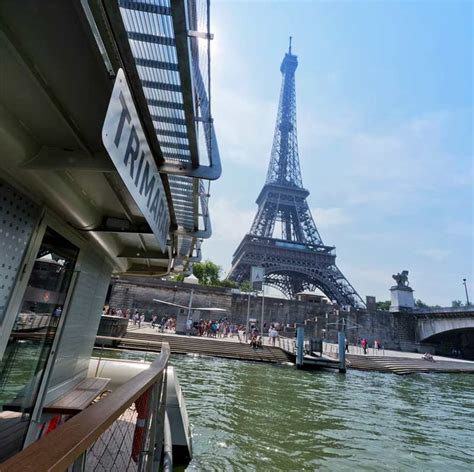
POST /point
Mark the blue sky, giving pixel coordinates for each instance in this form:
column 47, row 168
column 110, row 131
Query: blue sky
column 385, row 128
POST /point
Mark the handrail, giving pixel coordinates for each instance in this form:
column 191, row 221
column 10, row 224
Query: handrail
column 167, row 446
column 133, row 340
column 60, row 448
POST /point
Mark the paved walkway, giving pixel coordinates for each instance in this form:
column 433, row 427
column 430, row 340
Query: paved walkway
column 330, row 348
column 356, row 350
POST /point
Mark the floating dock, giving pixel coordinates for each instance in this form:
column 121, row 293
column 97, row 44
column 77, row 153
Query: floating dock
column 407, row 365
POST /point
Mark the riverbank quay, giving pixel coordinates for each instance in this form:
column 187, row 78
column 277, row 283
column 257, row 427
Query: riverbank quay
column 148, row 339
column 145, row 339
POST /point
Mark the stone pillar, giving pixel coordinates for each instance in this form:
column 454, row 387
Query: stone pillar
column 402, row 298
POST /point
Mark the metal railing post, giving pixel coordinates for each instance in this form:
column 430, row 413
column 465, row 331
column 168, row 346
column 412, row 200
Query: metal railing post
column 161, row 410
column 167, row 446
column 156, row 393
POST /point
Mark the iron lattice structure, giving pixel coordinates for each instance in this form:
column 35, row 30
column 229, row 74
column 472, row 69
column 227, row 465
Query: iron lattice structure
column 283, row 237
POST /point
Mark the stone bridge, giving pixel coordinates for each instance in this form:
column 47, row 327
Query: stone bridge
column 449, row 329
column 432, row 322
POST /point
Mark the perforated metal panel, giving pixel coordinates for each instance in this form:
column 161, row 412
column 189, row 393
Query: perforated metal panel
column 82, row 320
column 18, row 216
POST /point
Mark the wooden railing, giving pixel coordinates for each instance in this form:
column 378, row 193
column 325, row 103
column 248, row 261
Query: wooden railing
column 104, row 435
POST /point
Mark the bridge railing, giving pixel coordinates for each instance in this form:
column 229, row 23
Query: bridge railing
column 446, row 310
column 287, row 344
column 333, row 349
column 125, row 430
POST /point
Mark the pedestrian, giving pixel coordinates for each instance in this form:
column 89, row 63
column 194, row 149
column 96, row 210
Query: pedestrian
column 364, row 345
column 189, row 325
column 347, row 345
column 254, row 342
column 141, row 319
column 273, row 334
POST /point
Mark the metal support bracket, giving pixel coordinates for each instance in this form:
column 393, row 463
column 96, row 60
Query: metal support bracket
column 200, row 34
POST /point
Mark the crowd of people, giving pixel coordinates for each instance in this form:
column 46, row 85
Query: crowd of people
column 364, row 344
column 221, row 328
column 213, row 328
column 137, row 318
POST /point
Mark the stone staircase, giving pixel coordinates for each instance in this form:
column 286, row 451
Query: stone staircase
column 203, row 346
column 406, row 365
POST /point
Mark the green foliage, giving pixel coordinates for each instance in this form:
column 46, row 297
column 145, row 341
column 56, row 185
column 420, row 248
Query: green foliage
column 227, row 283
column 457, row 304
column 420, row 304
column 178, row 278
column 245, row 286
column 207, row 273
column 383, row 305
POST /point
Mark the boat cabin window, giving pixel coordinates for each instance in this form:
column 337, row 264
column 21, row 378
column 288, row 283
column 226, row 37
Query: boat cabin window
column 22, row 367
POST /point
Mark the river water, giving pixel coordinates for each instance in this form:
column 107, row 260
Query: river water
column 261, row 417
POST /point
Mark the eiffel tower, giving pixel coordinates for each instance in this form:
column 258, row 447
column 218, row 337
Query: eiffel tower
column 283, row 237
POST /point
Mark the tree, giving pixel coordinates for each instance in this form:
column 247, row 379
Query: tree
column 383, row 305
column 420, row 304
column 227, row 283
column 207, row 273
column 245, row 286
column 456, row 304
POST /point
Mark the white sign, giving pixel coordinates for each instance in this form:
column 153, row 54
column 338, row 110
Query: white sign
column 256, row 275
column 125, row 141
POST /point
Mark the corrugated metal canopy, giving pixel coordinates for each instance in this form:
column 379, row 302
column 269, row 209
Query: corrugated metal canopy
column 65, row 57
column 150, row 28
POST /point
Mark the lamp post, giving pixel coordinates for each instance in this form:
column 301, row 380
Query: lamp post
column 248, row 317
column 465, row 288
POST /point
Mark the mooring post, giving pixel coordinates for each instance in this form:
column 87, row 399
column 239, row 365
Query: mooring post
column 299, row 347
column 341, row 338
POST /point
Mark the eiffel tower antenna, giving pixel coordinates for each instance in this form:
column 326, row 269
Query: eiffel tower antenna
column 284, row 238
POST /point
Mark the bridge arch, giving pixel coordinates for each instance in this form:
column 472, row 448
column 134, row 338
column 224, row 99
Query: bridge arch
column 430, row 327
column 450, row 334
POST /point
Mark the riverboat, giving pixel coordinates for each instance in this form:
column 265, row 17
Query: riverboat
column 104, row 170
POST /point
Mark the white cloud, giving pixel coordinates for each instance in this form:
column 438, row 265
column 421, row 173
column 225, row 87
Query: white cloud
column 229, row 222
column 330, row 217
column 381, row 164
column 435, row 254
column 244, row 127
column 229, row 225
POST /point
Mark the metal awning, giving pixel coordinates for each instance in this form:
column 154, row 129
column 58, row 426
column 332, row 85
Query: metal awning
column 163, row 47
column 170, row 46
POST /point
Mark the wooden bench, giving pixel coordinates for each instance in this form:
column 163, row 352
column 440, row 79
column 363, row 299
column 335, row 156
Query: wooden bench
column 79, row 398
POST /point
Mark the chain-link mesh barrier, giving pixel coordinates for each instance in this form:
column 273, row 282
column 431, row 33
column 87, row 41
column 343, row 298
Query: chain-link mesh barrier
column 122, row 446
